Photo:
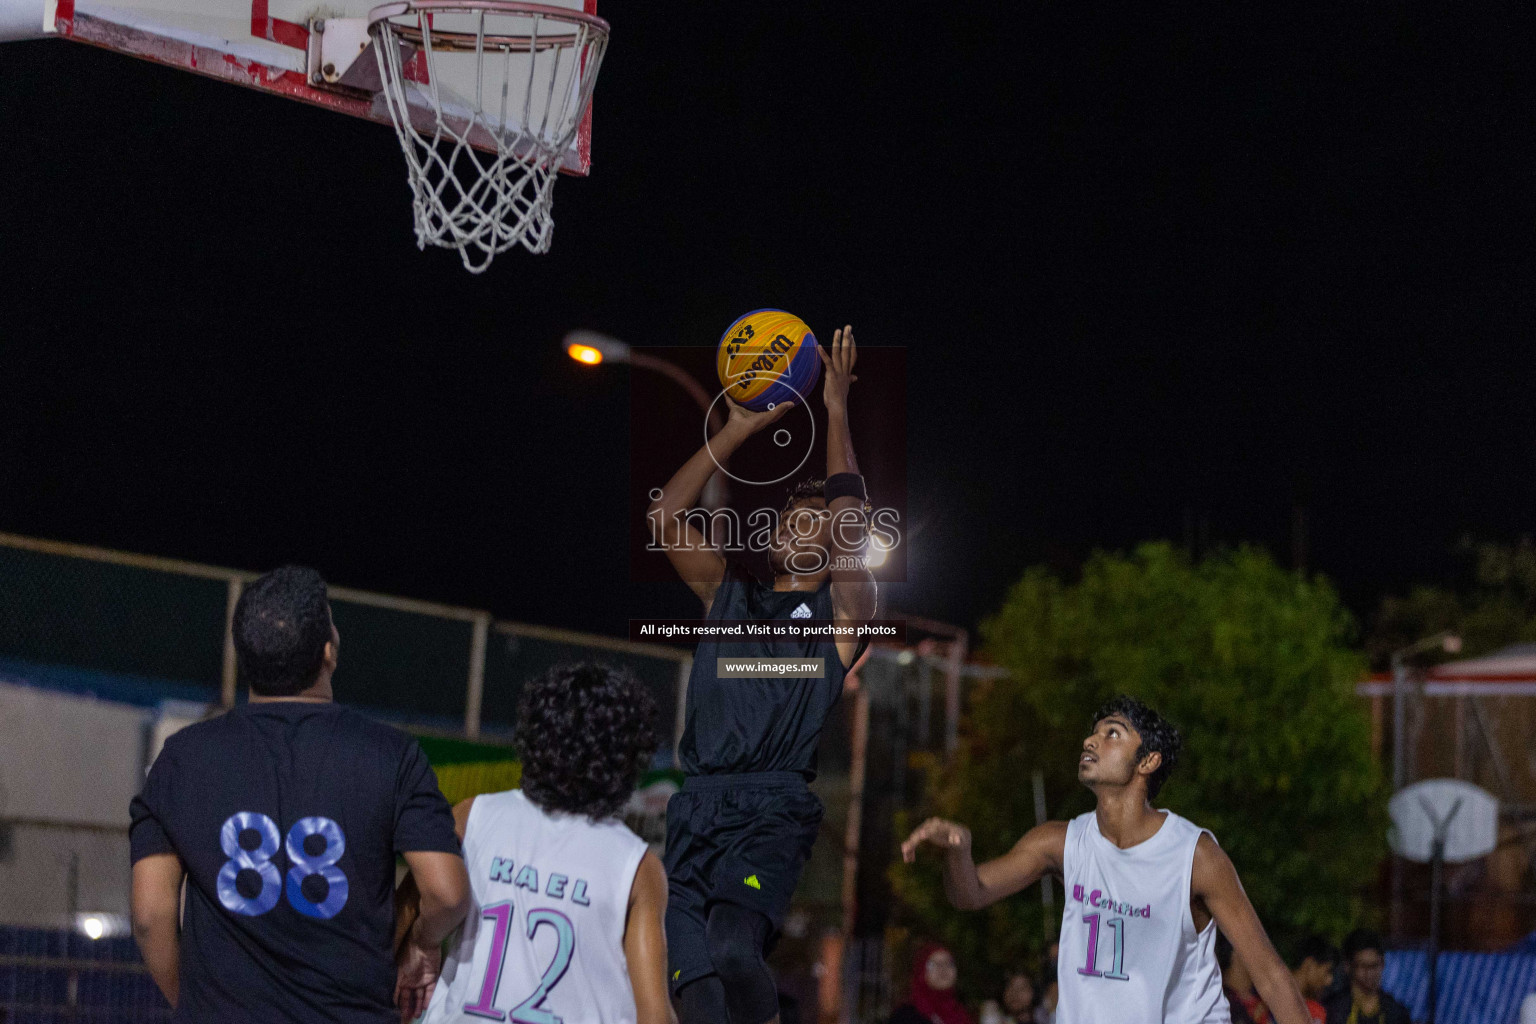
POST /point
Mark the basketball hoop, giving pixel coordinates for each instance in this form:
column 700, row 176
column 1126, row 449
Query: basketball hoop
column 482, row 175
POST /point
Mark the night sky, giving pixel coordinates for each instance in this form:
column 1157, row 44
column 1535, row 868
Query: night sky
column 1149, row 275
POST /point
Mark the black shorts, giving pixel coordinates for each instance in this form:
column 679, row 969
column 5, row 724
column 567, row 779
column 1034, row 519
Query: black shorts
column 740, row 839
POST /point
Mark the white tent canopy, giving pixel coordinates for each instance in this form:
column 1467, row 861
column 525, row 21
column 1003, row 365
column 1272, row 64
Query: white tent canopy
column 1509, row 672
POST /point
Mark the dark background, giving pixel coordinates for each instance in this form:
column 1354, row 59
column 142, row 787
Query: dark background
column 1155, row 278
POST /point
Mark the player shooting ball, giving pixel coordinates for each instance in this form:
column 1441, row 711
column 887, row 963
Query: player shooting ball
column 741, row 829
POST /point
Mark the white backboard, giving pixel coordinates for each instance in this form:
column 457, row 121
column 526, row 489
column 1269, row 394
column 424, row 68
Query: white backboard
column 1473, row 829
column 261, row 44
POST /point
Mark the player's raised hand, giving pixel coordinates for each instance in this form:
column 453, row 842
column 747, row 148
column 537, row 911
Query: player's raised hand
column 946, row 835
column 838, row 360
column 748, row 422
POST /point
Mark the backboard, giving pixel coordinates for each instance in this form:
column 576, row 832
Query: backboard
column 1466, row 816
column 261, row 44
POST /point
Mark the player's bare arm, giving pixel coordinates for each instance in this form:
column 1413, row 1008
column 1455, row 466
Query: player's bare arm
column 417, row 968
column 1214, row 882
column 157, row 919
column 407, row 896
column 972, row 887
column 645, row 943
column 699, row 565
column 854, row 595
column 442, row 901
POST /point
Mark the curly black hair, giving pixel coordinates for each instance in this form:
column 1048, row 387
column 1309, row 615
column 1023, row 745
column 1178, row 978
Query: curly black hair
column 1158, row 736
column 584, row 733
column 281, row 625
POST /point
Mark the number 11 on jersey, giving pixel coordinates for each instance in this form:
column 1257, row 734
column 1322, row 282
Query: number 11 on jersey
column 1117, row 970
column 530, row 1010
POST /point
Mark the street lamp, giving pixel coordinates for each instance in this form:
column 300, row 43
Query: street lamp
column 1445, row 641
column 591, row 348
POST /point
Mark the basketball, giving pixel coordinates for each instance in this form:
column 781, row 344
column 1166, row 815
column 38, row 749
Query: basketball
column 767, row 357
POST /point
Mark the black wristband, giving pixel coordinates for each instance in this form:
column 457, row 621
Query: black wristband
column 844, row 485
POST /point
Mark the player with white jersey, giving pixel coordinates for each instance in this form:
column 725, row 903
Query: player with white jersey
column 1145, row 890
column 569, row 904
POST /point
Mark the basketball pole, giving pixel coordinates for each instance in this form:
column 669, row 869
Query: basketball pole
column 1450, row 643
column 1436, row 864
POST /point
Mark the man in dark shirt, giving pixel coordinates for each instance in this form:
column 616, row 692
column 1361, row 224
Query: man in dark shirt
column 741, row 830
column 284, row 817
column 1364, row 1002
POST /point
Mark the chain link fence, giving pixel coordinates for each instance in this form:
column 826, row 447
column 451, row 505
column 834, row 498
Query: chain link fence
column 142, row 629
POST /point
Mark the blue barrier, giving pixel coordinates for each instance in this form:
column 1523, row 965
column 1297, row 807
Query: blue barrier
column 1474, row 988
column 52, row 976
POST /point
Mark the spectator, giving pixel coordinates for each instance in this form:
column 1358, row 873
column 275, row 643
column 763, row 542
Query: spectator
column 1017, row 1005
column 1019, row 999
column 933, row 999
column 1364, row 1002
column 1315, row 961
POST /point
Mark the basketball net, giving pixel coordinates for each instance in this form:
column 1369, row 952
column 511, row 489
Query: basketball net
column 482, row 167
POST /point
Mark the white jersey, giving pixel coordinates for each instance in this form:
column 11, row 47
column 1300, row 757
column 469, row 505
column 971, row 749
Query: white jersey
column 1129, row 950
column 545, row 940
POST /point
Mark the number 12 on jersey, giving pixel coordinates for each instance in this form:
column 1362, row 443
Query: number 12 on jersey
column 1117, row 970
column 530, row 1010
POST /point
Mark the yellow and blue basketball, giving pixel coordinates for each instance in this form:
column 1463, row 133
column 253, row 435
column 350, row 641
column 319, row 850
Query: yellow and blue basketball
column 767, row 357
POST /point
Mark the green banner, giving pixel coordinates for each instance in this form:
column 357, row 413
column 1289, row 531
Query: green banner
column 465, row 769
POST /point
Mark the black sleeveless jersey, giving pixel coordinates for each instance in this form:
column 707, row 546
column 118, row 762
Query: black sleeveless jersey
column 760, row 723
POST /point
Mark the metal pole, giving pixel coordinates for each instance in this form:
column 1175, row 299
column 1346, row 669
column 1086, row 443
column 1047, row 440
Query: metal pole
column 474, row 692
column 1442, row 828
column 1047, row 890
column 952, row 670
column 227, row 686
column 1399, row 773
column 716, row 493
column 857, row 755
column 72, row 886
column 680, row 713
column 685, row 380
column 72, row 980
column 1436, row 862
column 1399, row 722
column 855, row 966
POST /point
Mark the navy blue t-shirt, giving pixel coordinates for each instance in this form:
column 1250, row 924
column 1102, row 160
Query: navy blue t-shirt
column 287, row 816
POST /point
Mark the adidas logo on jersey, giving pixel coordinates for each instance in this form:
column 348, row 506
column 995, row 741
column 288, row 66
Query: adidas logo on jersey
column 802, row 611
column 753, row 882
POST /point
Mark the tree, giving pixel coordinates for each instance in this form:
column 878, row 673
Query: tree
column 1493, row 606
column 1253, row 663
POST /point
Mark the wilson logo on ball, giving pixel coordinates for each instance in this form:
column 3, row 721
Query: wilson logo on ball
column 767, row 357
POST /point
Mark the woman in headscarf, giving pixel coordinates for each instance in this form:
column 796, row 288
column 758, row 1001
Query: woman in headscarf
column 933, row 999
